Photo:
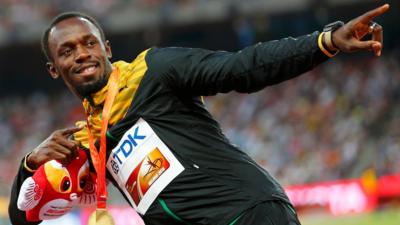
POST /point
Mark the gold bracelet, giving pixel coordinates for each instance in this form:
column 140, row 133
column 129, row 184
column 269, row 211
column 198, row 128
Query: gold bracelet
column 322, row 47
column 26, row 165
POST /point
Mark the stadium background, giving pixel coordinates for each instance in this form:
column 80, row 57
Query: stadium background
column 341, row 121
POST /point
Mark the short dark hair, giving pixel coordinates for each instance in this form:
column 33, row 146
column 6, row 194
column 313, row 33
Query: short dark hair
column 62, row 17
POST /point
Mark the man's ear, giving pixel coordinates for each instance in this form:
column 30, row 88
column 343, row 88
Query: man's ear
column 52, row 70
column 108, row 49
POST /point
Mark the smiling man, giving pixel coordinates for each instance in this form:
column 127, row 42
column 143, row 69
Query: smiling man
column 88, row 72
column 165, row 153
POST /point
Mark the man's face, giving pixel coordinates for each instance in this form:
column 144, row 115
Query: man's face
column 79, row 55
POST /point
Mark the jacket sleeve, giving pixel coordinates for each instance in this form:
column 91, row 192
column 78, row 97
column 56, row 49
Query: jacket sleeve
column 203, row 72
column 18, row 217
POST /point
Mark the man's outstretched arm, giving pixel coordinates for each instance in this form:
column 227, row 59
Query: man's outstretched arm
column 202, row 72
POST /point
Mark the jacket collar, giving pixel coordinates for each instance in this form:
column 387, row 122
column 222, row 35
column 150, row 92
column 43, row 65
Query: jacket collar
column 96, row 100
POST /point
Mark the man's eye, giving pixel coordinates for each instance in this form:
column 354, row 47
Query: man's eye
column 91, row 43
column 66, row 52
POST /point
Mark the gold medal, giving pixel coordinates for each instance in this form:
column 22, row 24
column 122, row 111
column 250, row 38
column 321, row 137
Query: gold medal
column 101, row 217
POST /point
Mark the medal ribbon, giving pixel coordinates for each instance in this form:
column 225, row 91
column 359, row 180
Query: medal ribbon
column 99, row 157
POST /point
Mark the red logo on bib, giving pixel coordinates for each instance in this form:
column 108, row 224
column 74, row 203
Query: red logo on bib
column 145, row 174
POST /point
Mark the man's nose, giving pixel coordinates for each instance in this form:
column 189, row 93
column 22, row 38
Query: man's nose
column 82, row 54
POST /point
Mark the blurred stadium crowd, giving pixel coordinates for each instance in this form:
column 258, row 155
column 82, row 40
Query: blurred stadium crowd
column 335, row 122
column 332, row 123
column 25, row 19
column 22, row 20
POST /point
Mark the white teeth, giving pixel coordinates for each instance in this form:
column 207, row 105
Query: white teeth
column 89, row 69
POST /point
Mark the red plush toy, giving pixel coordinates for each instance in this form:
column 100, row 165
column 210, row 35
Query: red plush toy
column 54, row 189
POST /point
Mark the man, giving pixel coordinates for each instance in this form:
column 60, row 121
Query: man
column 165, row 153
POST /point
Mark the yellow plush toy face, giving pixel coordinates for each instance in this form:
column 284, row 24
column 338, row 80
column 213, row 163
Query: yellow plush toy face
column 58, row 177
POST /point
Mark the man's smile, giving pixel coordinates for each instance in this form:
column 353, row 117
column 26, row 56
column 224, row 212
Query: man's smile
column 87, row 69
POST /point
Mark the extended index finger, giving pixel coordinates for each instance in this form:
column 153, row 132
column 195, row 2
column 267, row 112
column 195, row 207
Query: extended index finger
column 70, row 130
column 370, row 15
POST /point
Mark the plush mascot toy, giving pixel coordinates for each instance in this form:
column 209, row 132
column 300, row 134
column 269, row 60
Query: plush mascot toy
column 54, row 189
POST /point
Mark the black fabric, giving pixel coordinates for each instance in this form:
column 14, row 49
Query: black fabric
column 269, row 213
column 17, row 217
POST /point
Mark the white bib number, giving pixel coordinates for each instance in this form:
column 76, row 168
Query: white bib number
column 142, row 165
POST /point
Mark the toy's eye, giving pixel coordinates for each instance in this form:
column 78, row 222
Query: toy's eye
column 83, row 176
column 58, row 177
column 65, row 184
column 82, row 182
